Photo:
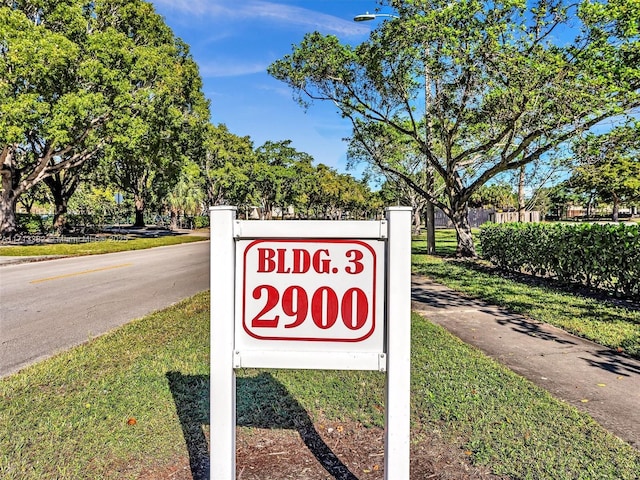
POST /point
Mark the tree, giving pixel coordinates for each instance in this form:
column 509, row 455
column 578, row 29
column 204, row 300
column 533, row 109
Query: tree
column 497, row 195
column 94, row 205
column 62, row 185
column 609, row 165
column 50, row 108
column 224, row 166
column 273, row 176
column 327, row 193
column 76, row 75
column 552, row 202
column 392, row 155
column 319, row 190
column 187, row 196
column 165, row 123
column 396, row 191
column 37, row 196
column 306, row 186
column 355, row 198
column 502, row 93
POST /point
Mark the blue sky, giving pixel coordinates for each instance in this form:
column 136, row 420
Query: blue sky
column 234, row 41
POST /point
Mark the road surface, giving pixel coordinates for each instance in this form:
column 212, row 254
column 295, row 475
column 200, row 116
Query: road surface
column 50, row 306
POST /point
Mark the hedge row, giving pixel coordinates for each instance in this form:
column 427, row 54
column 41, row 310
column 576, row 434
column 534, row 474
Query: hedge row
column 32, row 224
column 599, row 256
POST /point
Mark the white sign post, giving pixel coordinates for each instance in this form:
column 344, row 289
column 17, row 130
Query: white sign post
column 310, row 294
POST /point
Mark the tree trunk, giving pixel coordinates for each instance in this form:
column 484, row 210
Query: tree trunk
column 60, row 205
column 62, row 186
column 616, row 208
column 589, row 206
column 8, row 198
column 59, row 218
column 8, row 222
column 430, row 221
column 466, row 248
column 521, row 203
column 174, row 219
column 139, row 205
column 417, row 221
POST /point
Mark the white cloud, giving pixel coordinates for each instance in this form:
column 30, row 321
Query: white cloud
column 281, row 91
column 195, row 7
column 309, row 19
column 265, row 11
column 211, row 68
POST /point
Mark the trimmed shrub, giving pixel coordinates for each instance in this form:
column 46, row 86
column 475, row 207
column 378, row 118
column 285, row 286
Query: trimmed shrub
column 201, row 221
column 599, row 256
column 32, row 224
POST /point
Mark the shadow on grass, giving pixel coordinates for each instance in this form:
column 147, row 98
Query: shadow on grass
column 614, row 362
column 191, row 396
column 451, row 301
column 443, row 249
column 552, row 284
column 261, row 402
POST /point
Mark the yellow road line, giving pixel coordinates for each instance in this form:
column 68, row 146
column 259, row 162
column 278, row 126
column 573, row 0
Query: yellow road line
column 75, row 274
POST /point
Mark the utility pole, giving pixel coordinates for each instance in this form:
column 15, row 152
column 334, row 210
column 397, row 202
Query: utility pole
column 521, row 200
column 428, row 169
column 429, row 184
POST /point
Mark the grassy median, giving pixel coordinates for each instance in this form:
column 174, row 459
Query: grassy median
column 97, row 248
column 125, row 403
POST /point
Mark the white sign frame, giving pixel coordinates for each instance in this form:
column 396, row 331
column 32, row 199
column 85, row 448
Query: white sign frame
column 315, row 348
column 229, row 352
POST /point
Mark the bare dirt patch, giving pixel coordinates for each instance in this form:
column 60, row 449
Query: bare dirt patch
column 325, row 451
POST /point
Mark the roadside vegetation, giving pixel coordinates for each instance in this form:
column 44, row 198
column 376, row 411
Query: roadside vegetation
column 602, row 258
column 129, row 402
column 605, row 321
column 97, row 248
column 75, row 160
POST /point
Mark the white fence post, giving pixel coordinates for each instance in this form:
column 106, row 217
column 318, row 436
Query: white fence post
column 223, row 379
column 398, row 385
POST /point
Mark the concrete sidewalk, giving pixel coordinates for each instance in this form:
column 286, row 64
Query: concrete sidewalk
column 593, row 378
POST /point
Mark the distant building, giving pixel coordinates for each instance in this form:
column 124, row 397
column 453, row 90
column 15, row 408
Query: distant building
column 478, row 216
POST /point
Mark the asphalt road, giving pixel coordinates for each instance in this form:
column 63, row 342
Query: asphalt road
column 47, row 307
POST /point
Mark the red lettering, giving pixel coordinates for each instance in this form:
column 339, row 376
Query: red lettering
column 295, row 303
column 266, row 263
column 282, row 261
column 301, row 260
column 273, row 296
column 321, row 265
column 297, row 260
column 354, row 311
column 324, row 307
column 355, row 257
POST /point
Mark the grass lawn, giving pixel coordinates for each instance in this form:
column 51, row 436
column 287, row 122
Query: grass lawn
column 123, row 403
column 97, row 248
